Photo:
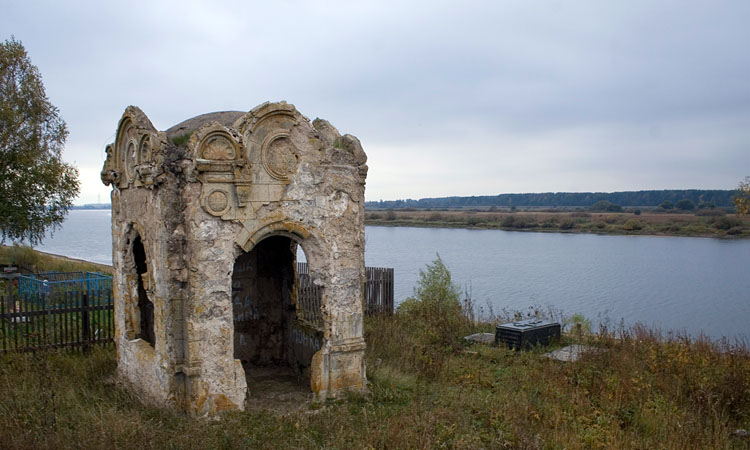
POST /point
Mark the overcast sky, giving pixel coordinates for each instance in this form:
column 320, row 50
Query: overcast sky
column 448, row 98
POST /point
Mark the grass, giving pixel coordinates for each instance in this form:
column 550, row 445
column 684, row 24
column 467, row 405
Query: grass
column 23, row 255
column 643, row 392
column 646, row 223
column 427, row 389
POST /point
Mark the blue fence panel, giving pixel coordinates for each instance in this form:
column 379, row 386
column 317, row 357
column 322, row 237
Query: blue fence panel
column 60, row 282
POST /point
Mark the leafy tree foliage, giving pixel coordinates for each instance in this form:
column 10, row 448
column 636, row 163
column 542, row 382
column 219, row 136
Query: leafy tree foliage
column 36, row 187
column 666, row 204
column 604, row 205
column 742, row 197
column 685, row 205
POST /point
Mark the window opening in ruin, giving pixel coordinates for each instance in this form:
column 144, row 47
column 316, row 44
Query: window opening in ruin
column 272, row 334
column 145, row 307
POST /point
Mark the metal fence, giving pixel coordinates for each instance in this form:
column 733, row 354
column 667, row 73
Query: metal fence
column 58, row 282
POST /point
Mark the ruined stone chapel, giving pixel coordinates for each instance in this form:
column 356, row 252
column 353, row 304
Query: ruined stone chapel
column 207, row 218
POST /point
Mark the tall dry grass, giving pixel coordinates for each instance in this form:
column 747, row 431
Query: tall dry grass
column 640, row 389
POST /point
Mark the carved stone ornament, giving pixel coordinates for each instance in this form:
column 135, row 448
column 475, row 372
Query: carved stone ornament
column 132, row 149
column 279, row 156
column 218, row 146
column 144, row 149
column 217, row 202
column 129, row 149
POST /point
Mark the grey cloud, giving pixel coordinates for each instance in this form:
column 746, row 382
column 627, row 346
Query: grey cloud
column 406, row 76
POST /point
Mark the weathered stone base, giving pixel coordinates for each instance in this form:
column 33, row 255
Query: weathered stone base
column 337, row 369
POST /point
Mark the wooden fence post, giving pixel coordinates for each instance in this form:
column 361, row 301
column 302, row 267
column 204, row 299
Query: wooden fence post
column 48, row 341
column 8, row 311
column 85, row 328
column 10, row 294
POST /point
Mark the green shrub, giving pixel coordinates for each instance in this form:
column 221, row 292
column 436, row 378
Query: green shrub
column 550, row 222
column 604, row 205
column 685, row 205
column 181, row 140
column 433, row 319
column 567, row 224
column 632, row 225
column 666, row 204
column 726, row 222
column 474, row 220
column 577, row 324
column 519, row 222
column 735, row 230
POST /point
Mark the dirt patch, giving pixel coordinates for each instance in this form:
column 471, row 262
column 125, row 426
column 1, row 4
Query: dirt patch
column 276, row 388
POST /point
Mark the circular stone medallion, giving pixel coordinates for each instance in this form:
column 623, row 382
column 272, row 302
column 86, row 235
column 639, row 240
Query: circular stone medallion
column 217, row 201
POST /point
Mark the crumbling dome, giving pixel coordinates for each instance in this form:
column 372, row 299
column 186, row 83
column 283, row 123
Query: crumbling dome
column 206, row 221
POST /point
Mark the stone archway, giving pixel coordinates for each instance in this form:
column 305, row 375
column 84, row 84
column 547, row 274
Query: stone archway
column 273, row 337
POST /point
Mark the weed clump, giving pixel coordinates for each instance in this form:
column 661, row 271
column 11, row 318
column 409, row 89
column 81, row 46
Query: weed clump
column 181, row 140
column 427, row 327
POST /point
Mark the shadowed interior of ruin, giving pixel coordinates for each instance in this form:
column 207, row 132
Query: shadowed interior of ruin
column 265, row 323
column 145, row 307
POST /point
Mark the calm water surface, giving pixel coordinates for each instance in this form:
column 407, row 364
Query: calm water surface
column 680, row 284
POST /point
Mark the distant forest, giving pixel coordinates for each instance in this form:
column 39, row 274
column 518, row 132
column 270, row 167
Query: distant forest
column 717, row 198
column 92, row 206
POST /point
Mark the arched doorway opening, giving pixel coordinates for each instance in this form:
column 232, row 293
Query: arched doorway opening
column 277, row 321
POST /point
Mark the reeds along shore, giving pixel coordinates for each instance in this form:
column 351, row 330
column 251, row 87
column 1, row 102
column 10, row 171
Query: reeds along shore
column 709, row 223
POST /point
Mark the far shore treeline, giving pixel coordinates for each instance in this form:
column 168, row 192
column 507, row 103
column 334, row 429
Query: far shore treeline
column 699, row 197
column 711, row 198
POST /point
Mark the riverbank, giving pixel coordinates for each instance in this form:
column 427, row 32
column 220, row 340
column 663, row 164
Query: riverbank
column 714, row 224
column 42, row 261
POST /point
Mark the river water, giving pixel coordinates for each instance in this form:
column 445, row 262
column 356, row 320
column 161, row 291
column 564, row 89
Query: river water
column 689, row 285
